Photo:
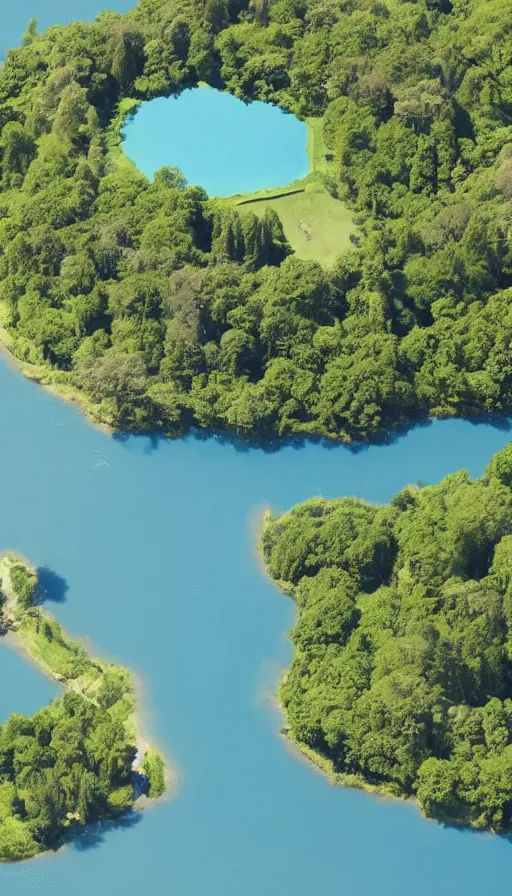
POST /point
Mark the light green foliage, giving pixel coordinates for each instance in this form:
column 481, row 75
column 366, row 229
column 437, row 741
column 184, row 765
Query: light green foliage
column 24, row 584
column 71, row 762
column 16, row 841
column 409, row 112
column 153, row 768
column 400, row 674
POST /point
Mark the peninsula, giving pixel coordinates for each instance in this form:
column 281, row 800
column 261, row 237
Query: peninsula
column 400, row 680
column 75, row 761
column 160, row 307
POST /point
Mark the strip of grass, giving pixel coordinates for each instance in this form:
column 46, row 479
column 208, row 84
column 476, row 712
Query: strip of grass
column 318, row 153
column 43, row 640
column 126, row 109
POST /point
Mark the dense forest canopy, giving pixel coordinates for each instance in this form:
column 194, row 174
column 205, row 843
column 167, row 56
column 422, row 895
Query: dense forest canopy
column 168, row 310
column 402, row 668
column 71, row 762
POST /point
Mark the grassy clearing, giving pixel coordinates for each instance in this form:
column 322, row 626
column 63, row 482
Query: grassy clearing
column 317, row 226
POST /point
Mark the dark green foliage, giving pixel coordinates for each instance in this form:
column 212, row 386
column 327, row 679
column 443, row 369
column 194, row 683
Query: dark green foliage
column 401, row 673
column 168, row 309
column 24, row 585
column 65, row 765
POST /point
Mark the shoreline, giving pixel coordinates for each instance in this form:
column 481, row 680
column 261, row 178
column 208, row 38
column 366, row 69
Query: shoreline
column 66, row 392
column 130, row 704
column 47, row 378
column 318, row 763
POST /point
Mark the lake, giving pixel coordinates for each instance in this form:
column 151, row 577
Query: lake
column 15, row 17
column 218, row 142
column 155, row 541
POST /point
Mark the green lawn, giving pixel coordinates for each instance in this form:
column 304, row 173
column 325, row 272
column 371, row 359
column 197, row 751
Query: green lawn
column 316, row 225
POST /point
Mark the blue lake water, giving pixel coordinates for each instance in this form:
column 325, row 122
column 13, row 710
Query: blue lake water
column 155, row 541
column 24, row 689
column 219, row 142
column 15, row 17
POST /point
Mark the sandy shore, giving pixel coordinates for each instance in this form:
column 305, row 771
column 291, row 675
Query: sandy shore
column 136, row 724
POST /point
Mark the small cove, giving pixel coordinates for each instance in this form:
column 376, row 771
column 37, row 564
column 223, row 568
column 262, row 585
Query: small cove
column 24, row 689
column 218, row 142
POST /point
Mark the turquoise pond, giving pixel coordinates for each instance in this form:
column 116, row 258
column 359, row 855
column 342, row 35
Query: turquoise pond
column 149, row 546
column 218, row 142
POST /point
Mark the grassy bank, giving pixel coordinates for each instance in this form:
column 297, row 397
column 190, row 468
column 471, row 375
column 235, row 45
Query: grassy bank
column 124, row 111
column 45, row 643
column 105, row 744
column 317, row 226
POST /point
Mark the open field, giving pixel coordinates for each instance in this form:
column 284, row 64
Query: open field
column 317, row 226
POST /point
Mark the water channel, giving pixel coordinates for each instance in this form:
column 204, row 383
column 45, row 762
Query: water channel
column 155, row 543
column 152, row 548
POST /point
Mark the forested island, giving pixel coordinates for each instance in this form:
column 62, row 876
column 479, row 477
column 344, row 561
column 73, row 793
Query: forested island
column 401, row 674
column 74, row 761
column 160, row 307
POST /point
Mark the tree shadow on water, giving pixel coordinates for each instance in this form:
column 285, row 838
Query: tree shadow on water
column 266, row 442
column 51, row 586
column 465, row 829
column 92, row 836
column 271, row 443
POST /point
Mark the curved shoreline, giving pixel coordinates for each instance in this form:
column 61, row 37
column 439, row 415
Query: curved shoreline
column 320, row 764
column 21, row 639
column 42, row 376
